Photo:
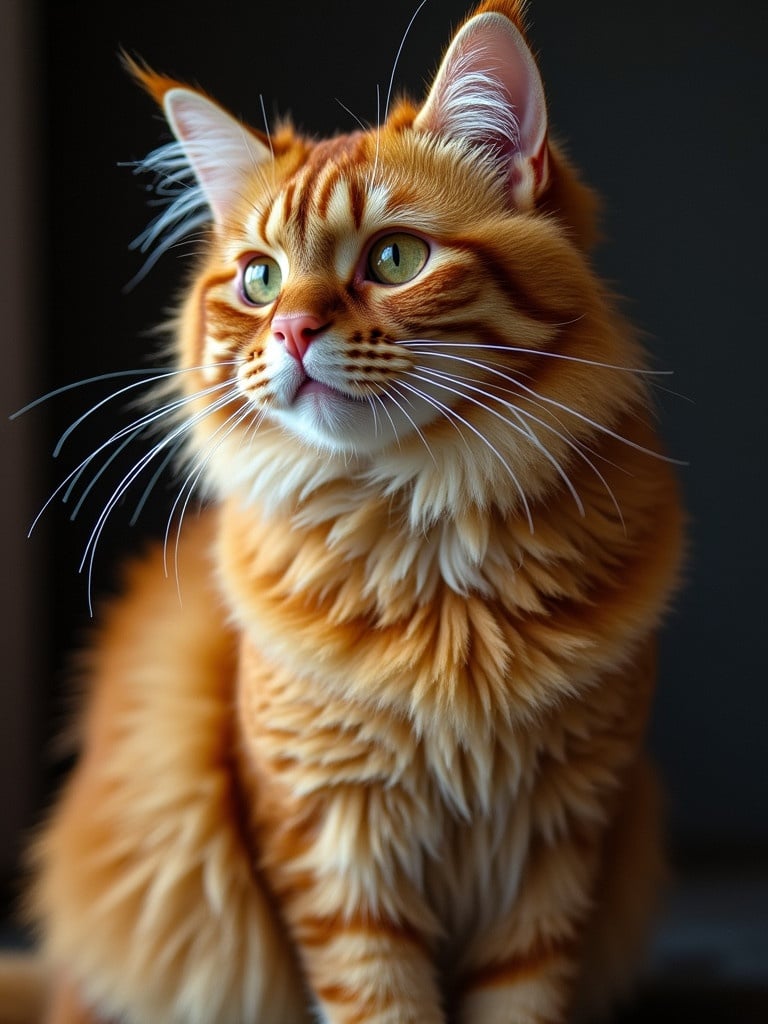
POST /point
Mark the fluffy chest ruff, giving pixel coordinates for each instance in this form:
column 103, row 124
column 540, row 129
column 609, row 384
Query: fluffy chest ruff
column 422, row 713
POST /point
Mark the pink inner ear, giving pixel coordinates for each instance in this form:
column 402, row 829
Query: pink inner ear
column 520, row 78
column 488, row 91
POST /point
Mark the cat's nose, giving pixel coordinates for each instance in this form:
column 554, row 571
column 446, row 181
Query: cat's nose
column 297, row 331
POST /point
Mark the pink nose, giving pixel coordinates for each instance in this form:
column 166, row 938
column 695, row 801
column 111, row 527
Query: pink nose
column 297, row 332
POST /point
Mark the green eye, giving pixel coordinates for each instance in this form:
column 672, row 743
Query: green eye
column 262, row 281
column 395, row 259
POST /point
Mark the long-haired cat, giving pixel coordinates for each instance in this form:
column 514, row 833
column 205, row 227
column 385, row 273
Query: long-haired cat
column 383, row 762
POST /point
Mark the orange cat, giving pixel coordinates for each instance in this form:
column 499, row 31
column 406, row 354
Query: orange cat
column 383, row 762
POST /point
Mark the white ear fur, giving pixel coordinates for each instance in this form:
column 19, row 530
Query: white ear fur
column 221, row 151
column 488, row 92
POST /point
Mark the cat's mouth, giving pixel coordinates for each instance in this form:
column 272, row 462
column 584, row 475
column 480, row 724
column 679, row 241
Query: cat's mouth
column 317, row 389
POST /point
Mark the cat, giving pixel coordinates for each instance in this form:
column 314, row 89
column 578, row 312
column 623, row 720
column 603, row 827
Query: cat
column 384, row 760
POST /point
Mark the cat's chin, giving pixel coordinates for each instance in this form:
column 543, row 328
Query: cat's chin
column 322, row 417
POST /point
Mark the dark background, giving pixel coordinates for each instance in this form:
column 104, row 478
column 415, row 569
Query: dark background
column 661, row 104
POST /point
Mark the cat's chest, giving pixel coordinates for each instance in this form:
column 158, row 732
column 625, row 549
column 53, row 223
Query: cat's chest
column 302, row 743
column 338, row 790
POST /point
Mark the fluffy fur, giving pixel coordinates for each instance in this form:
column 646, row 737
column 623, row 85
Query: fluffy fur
column 384, row 761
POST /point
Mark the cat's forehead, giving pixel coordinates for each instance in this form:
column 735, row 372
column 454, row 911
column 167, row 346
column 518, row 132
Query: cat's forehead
column 343, row 190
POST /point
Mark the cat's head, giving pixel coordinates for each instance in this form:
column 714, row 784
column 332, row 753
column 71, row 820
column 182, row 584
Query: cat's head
column 394, row 290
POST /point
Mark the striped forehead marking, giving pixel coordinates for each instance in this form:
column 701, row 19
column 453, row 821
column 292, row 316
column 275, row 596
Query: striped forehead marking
column 324, row 214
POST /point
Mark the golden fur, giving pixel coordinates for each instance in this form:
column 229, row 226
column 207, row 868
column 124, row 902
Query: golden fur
column 384, row 758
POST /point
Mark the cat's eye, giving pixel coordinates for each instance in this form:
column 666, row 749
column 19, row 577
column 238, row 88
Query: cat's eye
column 262, row 280
column 397, row 258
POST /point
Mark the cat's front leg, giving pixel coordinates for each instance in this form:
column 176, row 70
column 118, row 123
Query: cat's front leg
column 362, row 929
column 368, row 968
column 522, row 969
column 523, row 988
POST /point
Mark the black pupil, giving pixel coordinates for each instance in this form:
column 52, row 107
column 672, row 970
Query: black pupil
column 264, row 274
column 394, row 251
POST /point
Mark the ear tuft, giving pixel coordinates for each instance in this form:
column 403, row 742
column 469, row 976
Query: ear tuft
column 220, row 149
column 489, row 94
column 155, row 84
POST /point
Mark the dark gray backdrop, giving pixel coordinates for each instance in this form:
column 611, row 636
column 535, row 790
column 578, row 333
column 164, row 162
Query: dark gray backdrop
column 661, row 105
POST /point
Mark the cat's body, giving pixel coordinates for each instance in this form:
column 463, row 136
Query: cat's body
column 384, row 758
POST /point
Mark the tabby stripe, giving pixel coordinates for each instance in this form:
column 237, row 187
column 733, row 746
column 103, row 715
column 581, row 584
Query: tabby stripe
column 357, row 1008
column 508, row 283
column 229, row 316
column 266, row 213
column 288, row 199
column 518, row 968
column 304, row 208
column 318, row 931
column 216, row 279
column 326, row 191
column 357, row 201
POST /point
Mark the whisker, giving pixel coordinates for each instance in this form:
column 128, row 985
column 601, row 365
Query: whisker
column 266, row 128
column 116, row 394
column 133, row 429
column 370, row 396
column 354, row 116
column 526, row 432
column 158, row 374
column 601, row 428
column 444, row 410
column 153, row 480
column 452, row 413
column 571, row 442
column 397, row 57
column 391, row 387
column 372, row 176
column 140, row 424
column 191, row 481
column 389, row 417
column 89, row 552
column 642, row 371
column 95, row 479
column 253, row 427
column 579, row 449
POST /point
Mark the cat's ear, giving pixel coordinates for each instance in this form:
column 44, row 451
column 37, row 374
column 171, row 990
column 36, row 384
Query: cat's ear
column 488, row 92
column 221, row 150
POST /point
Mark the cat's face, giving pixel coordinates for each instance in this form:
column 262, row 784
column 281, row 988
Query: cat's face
column 335, row 285
column 409, row 289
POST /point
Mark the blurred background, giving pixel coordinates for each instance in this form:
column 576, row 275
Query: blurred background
column 661, row 105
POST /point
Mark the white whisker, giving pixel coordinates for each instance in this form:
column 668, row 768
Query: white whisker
column 372, row 176
column 642, row 371
column 266, row 128
column 392, row 386
column 132, row 429
column 576, row 446
column 397, row 57
column 450, row 413
column 601, row 428
column 154, row 478
column 191, row 480
column 116, row 394
column 97, row 476
column 354, row 116
column 89, row 552
column 389, row 417
column 518, row 428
